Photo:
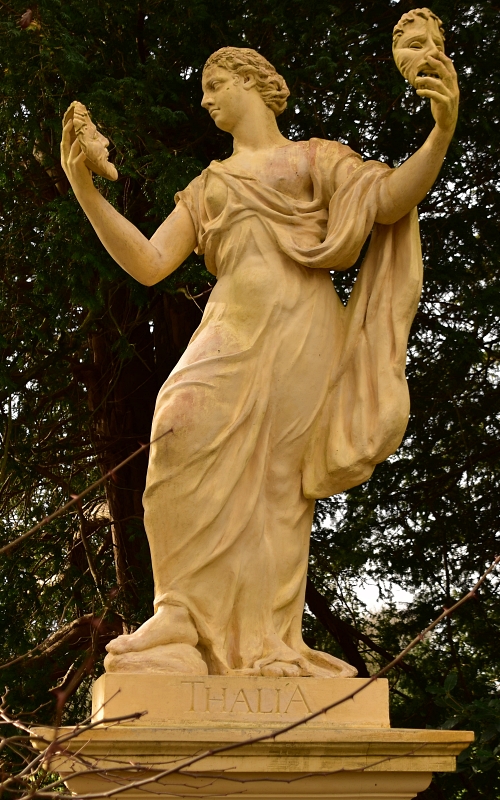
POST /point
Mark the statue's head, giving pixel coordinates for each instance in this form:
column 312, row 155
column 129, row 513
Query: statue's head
column 419, row 33
column 243, row 66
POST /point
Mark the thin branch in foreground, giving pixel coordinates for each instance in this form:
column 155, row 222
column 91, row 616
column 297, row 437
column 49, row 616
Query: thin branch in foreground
column 189, row 762
column 77, row 498
column 224, row 774
column 77, row 630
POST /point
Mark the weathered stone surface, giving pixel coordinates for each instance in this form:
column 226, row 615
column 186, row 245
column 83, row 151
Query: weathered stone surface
column 242, row 701
column 283, row 395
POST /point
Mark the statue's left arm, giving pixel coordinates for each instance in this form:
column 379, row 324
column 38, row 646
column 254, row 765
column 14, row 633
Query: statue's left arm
column 407, row 185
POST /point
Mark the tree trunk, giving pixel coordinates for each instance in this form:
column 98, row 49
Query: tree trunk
column 132, row 357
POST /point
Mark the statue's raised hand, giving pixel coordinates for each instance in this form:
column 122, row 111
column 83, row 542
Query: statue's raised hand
column 84, row 149
column 442, row 89
column 418, row 49
column 73, row 161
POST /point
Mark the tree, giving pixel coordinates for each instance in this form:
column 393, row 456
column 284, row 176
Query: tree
column 85, row 349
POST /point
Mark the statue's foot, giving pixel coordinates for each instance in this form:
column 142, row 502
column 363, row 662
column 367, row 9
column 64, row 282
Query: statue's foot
column 170, row 659
column 284, row 662
column 281, row 669
column 170, row 625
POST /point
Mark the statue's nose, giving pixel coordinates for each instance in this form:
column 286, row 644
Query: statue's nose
column 432, row 48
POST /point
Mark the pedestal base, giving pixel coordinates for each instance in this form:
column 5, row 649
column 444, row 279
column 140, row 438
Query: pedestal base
column 239, row 701
column 350, row 752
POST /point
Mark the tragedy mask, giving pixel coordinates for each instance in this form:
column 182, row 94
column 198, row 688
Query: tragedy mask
column 417, row 35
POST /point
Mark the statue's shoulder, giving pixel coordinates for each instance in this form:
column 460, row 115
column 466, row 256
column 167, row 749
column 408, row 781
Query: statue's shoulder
column 326, row 158
column 328, row 149
column 194, row 186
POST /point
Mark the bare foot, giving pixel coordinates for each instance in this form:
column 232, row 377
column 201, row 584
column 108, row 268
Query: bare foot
column 168, row 659
column 281, row 669
column 170, row 625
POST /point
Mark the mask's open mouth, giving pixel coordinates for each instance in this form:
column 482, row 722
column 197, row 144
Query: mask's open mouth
column 425, row 73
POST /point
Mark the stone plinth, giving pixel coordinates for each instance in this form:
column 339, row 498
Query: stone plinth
column 246, row 701
column 350, row 752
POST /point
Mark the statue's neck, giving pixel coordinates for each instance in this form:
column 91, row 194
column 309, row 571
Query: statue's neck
column 256, row 132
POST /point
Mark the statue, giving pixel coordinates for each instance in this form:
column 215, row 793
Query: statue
column 419, row 33
column 91, row 141
column 283, row 394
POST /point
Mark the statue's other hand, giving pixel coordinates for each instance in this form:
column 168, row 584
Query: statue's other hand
column 442, row 89
column 73, row 160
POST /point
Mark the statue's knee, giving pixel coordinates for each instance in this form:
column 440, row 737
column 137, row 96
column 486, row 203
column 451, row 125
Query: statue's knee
column 177, row 415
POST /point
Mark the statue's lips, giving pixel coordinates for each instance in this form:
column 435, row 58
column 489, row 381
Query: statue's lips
column 420, row 71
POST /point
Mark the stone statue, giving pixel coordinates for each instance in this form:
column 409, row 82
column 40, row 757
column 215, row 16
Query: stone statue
column 91, row 141
column 283, row 394
column 419, row 33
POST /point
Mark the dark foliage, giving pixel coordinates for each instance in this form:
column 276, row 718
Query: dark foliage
column 85, row 348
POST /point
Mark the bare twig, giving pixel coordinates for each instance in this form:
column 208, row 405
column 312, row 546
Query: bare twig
column 76, row 498
column 9, row 8
column 57, row 744
column 86, row 546
column 76, row 630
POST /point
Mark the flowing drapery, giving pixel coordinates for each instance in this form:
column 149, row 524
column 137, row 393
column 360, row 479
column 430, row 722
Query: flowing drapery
column 282, row 396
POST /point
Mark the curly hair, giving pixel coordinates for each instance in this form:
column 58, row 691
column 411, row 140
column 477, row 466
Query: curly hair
column 245, row 61
column 411, row 16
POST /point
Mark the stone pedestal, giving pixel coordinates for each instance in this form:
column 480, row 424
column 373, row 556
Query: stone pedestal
column 349, row 752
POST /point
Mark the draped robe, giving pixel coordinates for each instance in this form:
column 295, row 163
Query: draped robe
column 283, row 395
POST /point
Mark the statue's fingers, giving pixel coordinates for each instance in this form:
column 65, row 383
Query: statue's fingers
column 80, row 157
column 448, row 63
column 432, row 95
column 440, row 71
column 66, row 139
column 75, row 150
column 434, row 84
column 445, row 65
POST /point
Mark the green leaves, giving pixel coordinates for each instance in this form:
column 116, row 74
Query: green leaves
column 97, row 346
column 450, row 681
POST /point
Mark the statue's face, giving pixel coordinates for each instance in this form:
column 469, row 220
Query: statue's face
column 97, row 147
column 420, row 38
column 223, row 97
column 94, row 144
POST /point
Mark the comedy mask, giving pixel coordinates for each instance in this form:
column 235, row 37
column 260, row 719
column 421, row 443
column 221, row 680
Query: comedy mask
column 93, row 143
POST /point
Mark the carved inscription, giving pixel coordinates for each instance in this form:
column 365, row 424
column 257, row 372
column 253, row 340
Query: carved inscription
column 246, row 700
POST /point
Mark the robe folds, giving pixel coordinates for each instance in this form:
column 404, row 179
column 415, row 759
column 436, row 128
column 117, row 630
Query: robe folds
column 283, row 395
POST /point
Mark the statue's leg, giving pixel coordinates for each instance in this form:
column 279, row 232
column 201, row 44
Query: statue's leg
column 169, row 624
column 200, row 501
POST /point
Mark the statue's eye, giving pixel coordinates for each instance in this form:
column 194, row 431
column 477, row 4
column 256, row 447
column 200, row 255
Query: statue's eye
column 416, row 46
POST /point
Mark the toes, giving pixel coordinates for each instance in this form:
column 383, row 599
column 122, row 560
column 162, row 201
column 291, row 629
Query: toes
column 291, row 670
column 117, row 646
column 281, row 669
column 272, row 671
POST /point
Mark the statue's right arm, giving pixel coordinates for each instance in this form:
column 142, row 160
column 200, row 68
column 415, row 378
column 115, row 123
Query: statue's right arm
column 147, row 260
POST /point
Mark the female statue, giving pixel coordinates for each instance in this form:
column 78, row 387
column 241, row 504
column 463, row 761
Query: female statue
column 283, row 394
